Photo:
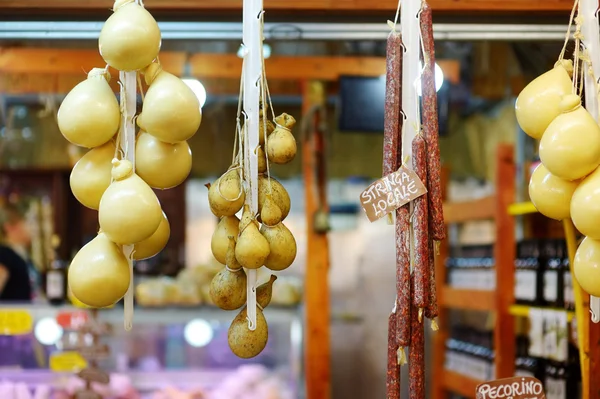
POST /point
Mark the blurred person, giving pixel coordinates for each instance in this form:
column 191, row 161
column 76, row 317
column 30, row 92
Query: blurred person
column 15, row 238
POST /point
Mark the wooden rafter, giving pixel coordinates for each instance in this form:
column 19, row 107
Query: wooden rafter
column 24, row 70
column 304, row 5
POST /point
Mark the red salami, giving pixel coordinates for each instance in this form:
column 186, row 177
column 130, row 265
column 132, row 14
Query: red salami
column 430, row 128
column 393, row 369
column 431, row 310
column 420, row 227
column 393, row 103
column 416, row 358
column 403, row 289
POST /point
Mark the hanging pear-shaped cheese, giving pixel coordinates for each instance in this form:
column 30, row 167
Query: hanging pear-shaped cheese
column 262, row 160
column 152, row 245
column 282, row 246
column 281, row 144
column 91, row 175
column 228, row 287
column 162, row 165
column 270, row 213
column 99, row 273
column 538, row 103
column 130, row 38
column 264, row 292
column 586, row 266
column 228, row 227
column 129, row 210
column 242, row 341
column 570, row 147
column 551, row 195
column 171, row 111
column 89, row 116
column 251, row 249
column 226, row 195
column 585, row 206
column 278, row 194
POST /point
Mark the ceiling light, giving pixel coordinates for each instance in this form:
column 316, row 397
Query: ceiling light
column 198, row 333
column 439, row 78
column 198, row 89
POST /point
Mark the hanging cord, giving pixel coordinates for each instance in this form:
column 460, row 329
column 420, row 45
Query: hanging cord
column 235, row 156
column 140, row 87
column 266, row 96
column 264, row 73
column 393, row 24
column 239, row 157
column 568, row 35
column 577, row 69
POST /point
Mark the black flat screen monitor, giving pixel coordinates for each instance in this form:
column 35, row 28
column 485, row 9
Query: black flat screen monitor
column 362, row 102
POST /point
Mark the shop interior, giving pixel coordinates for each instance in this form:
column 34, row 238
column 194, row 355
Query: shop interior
column 508, row 302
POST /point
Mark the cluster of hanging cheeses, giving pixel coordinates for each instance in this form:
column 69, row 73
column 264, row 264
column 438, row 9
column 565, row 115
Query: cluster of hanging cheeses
column 567, row 182
column 255, row 240
column 90, row 116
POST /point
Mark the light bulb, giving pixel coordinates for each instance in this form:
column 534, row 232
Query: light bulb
column 439, row 78
column 198, row 89
column 198, row 333
column 47, row 331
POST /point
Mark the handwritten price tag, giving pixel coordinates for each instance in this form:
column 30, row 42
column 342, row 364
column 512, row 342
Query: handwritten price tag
column 390, row 193
column 512, row 388
column 15, row 322
column 67, row 362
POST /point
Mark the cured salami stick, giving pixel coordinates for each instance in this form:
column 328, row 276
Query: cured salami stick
column 393, row 102
column 393, row 369
column 431, row 310
column 430, row 128
column 403, row 289
column 416, row 359
column 420, row 225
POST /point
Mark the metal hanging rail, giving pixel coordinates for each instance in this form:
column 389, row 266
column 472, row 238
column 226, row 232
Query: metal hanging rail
column 38, row 30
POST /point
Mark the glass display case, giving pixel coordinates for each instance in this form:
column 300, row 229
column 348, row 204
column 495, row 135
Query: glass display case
column 168, row 350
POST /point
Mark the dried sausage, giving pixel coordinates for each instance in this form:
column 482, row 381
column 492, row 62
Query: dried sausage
column 393, row 100
column 393, row 369
column 416, row 358
column 430, row 128
column 403, row 289
column 420, row 224
column 431, row 310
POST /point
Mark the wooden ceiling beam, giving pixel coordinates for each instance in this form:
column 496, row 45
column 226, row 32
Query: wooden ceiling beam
column 343, row 6
column 204, row 66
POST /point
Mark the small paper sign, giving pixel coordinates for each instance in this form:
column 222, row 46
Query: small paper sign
column 511, row 388
column 67, row 362
column 391, row 192
column 15, row 322
column 93, row 374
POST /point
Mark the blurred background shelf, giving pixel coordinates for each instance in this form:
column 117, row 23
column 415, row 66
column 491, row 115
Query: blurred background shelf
column 523, row 311
column 460, row 384
column 161, row 315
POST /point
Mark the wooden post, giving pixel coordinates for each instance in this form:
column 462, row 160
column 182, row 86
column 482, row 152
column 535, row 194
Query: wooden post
column 317, row 364
column 504, row 253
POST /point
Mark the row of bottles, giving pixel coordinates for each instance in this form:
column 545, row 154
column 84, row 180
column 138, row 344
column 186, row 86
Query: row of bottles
column 542, row 274
column 561, row 379
column 469, row 352
column 472, row 267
